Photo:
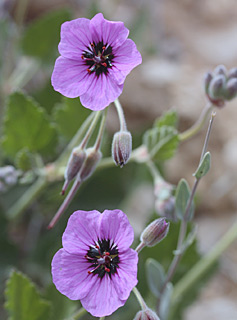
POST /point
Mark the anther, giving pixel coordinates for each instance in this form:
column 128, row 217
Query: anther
column 107, row 269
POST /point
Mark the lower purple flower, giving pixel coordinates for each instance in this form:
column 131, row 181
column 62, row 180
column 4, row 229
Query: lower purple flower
column 96, row 265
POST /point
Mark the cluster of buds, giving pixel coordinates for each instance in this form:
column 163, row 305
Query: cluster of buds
column 164, row 199
column 8, row 177
column 221, row 85
column 146, row 314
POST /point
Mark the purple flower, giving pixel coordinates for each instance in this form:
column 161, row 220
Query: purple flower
column 96, row 57
column 96, row 264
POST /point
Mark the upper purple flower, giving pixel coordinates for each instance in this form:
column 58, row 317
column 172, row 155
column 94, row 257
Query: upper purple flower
column 96, row 57
column 96, row 264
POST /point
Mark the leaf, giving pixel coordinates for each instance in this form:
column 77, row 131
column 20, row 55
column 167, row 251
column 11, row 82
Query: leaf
column 23, row 302
column 169, row 119
column 165, row 302
column 155, row 276
column 24, row 159
column 41, row 38
column 26, row 125
column 204, row 166
column 69, row 116
column 182, row 196
column 161, row 142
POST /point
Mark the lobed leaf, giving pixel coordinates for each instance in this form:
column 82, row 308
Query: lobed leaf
column 23, row 302
column 169, row 118
column 26, row 125
column 161, row 142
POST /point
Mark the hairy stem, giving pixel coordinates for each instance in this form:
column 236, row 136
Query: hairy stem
column 198, row 124
column 123, row 126
column 139, row 298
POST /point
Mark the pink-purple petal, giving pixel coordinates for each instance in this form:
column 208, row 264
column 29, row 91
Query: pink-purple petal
column 103, row 300
column 116, row 227
column 70, row 275
column 102, row 91
column 75, row 37
column 70, row 77
column 110, row 32
column 81, row 231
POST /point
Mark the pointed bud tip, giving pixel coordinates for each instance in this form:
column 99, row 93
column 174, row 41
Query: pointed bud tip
column 155, row 232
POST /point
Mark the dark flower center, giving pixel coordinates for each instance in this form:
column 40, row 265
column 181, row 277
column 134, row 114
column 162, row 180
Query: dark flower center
column 98, row 57
column 103, row 258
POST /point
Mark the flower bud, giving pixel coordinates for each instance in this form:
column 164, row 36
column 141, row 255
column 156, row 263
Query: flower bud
column 74, row 164
column 121, row 147
column 220, row 70
column 155, row 232
column 93, row 157
column 232, row 73
column 231, row 89
column 216, row 87
column 166, row 208
column 207, row 79
column 8, row 177
column 146, row 314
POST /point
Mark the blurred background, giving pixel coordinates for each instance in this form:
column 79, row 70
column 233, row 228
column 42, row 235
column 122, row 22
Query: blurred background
column 179, row 42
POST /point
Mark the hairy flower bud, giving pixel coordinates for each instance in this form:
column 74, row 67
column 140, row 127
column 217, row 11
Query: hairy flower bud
column 74, row 164
column 232, row 73
column 221, row 69
column 121, row 147
column 207, row 80
column 155, row 232
column 146, row 314
column 93, row 157
column 231, row 89
column 166, row 208
column 216, row 87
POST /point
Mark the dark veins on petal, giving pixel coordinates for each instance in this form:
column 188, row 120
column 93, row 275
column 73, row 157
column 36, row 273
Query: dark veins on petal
column 98, row 57
column 103, row 258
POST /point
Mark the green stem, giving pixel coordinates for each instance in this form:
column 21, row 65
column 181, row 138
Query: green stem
column 21, row 11
column 198, row 124
column 101, row 131
column 139, row 298
column 90, row 130
column 140, row 247
column 201, row 267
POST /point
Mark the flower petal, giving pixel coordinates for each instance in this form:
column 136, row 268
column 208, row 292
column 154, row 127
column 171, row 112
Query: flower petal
column 116, row 227
column 102, row 299
column 126, row 278
column 70, row 275
column 70, row 77
column 75, row 38
column 126, row 58
column 102, row 91
column 81, row 231
column 113, row 33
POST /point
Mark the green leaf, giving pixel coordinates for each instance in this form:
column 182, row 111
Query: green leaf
column 155, row 276
column 169, row 119
column 41, row 38
column 69, row 116
column 26, row 125
column 182, row 196
column 23, row 302
column 204, row 166
column 161, row 142
column 24, row 159
column 187, row 242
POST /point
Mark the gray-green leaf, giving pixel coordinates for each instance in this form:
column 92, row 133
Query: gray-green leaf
column 204, row 166
column 182, row 196
column 169, row 118
column 155, row 276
